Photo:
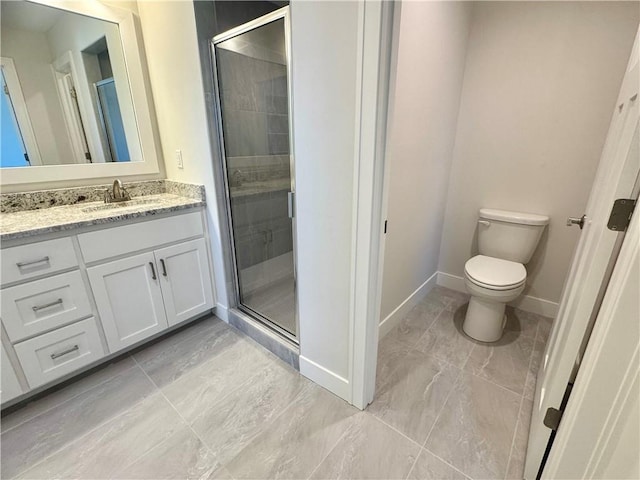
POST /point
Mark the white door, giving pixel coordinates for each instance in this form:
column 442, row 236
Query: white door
column 599, row 436
column 184, row 277
column 591, row 266
column 129, row 299
column 10, row 387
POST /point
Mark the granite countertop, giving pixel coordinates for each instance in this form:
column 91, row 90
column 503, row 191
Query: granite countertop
column 27, row 223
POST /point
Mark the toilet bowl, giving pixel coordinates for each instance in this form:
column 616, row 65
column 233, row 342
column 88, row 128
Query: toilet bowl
column 506, row 241
column 492, row 283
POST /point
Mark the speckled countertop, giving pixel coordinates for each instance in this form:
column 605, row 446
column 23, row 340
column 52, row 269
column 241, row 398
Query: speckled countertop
column 27, row 223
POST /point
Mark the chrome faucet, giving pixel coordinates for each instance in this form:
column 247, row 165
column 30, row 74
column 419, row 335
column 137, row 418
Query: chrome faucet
column 117, row 194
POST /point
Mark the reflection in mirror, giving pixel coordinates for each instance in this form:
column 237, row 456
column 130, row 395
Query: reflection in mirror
column 66, row 96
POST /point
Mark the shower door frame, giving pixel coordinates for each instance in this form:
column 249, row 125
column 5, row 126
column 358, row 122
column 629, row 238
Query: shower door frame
column 281, row 13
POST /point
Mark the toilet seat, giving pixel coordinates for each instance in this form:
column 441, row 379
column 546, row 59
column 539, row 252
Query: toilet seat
column 495, row 273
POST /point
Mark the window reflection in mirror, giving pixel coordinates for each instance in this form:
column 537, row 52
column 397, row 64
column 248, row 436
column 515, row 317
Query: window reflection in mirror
column 65, row 90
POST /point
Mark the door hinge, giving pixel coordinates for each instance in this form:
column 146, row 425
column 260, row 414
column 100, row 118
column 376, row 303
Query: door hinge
column 621, row 214
column 552, row 418
column 385, row 227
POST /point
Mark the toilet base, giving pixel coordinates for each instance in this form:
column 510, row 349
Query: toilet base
column 485, row 320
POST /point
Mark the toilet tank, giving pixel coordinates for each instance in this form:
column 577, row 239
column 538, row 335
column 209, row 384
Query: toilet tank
column 509, row 235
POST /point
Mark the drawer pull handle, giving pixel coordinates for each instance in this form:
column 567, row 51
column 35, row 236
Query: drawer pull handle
column 33, row 262
column 153, row 271
column 64, row 352
column 164, row 267
column 51, row 304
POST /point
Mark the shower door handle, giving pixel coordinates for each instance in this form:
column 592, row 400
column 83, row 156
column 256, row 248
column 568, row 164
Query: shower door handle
column 290, row 196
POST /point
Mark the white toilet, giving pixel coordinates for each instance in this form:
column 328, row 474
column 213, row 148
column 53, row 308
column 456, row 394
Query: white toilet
column 506, row 241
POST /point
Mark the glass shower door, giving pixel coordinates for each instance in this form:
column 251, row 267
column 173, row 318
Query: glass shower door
column 251, row 64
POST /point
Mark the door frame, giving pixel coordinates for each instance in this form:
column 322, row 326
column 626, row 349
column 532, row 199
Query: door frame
column 281, row 13
column 371, row 173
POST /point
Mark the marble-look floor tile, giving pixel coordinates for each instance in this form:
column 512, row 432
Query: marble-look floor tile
column 181, row 456
column 417, row 321
column 545, row 324
column 369, row 450
column 211, row 381
column 534, row 365
column 453, row 298
column 58, row 397
column 520, row 441
column 430, row 467
column 412, row 397
column 45, row 434
column 298, row 440
column 521, row 322
column 107, row 449
column 505, row 362
column 229, row 425
column 445, row 339
column 168, row 360
column 390, row 356
column 475, row 429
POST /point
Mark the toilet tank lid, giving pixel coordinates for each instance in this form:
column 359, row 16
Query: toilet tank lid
column 514, row 217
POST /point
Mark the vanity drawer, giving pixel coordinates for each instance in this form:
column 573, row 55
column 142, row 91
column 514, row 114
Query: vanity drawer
column 28, row 261
column 42, row 305
column 127, row 239
column 60, row 352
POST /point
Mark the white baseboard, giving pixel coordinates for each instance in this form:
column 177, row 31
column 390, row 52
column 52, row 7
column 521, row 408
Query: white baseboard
column 543, row 307
column 527, row 303
column 401, row 311
column 325, row 378
column 221, row 312
column 451, row 281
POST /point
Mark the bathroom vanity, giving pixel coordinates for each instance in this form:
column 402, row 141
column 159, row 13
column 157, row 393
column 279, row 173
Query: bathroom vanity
column 83, row 283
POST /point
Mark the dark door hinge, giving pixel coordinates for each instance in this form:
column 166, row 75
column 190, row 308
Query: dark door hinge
column 552, row 418
column 621, row 214
column 385, row 227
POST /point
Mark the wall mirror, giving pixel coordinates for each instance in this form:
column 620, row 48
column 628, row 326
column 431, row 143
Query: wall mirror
column 75, row 102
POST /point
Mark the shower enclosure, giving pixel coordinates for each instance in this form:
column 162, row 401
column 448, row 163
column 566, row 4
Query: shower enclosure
column 251, row 66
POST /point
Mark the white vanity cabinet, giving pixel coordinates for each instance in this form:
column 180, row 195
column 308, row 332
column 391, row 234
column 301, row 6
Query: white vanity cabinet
column 70, row 302
column 185, row 280
column 141, row 295
column 129, row 299
column 10, row 387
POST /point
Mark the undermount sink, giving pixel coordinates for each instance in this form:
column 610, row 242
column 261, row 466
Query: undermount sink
column 135, row 202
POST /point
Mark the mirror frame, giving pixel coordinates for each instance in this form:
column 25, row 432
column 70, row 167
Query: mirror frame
column 33, row 178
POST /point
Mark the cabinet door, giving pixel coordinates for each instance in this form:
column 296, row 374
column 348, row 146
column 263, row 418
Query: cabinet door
column 129, row 299
column 185, row 280
column 10, row 385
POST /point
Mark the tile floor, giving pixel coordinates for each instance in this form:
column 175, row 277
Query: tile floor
column 207, row 402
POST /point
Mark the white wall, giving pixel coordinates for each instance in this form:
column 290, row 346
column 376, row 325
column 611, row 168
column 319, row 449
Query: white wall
column 540, row 84
column 324, row 60
column 171, row 47
column 32, row 58
column 430, row 42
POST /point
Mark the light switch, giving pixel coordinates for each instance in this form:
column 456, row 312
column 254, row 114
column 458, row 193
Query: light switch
column 179, row 161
